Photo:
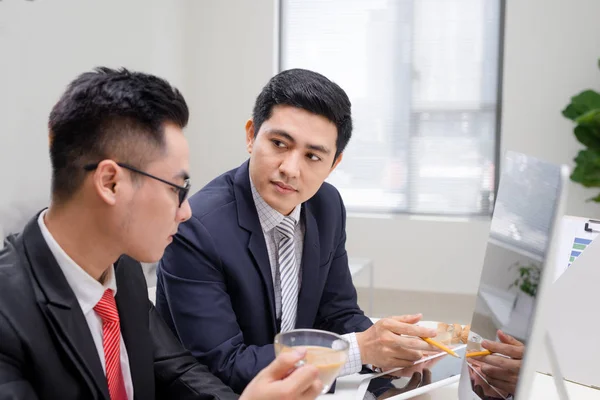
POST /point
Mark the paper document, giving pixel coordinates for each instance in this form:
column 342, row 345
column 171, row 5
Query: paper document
column 573, row 240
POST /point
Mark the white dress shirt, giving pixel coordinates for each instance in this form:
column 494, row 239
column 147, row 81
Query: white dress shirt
column 88, row 292
column 269, row 219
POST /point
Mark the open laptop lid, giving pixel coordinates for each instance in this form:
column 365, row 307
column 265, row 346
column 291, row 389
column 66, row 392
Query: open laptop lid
column 516, row 273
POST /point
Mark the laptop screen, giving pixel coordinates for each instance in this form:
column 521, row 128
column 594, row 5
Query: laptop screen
column 524, row 214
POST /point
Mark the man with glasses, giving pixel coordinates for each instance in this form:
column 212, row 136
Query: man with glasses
column 75, row 319
column 182, row 191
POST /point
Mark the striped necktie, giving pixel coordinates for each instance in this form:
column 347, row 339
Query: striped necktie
column 288, row 271
column 111, row 341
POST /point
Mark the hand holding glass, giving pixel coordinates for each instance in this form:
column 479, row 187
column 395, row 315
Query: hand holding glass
column 325, row 350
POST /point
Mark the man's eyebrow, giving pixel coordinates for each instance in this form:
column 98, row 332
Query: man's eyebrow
column 284, row 134
column 319, row 148
column 183, row 174
column 280, row 132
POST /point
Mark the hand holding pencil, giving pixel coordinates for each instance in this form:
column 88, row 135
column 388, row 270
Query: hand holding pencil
column 501, row 362
column 441, row 346
column 395, row 342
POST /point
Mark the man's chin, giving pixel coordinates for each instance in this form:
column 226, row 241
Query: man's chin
column 277, row 203
column 149, row 258
column 282, row 208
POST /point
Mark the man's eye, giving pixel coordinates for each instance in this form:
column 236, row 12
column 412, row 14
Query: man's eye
column 313, row 157
column 278, row 143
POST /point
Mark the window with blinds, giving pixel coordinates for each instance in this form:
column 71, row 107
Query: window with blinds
column 423, row 78
column 526, row 206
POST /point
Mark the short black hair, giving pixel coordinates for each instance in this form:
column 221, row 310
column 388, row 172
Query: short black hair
column 310, row 91
column 109, row 113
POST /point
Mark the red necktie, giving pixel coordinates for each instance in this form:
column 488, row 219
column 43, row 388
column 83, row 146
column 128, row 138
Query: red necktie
column 111, row 341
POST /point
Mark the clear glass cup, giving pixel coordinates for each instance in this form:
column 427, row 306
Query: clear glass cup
column 445, row 333
column 325, row 350
column 474, row 343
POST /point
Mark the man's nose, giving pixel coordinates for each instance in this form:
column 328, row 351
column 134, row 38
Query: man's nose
column 184, row 212
column 290, row 166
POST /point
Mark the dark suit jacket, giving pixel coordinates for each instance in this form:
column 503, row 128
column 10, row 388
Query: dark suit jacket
column 47, row 350
column 215, row 288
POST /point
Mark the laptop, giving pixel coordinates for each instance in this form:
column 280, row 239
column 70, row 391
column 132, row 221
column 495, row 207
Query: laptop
column 517, row 271
column 514, row 280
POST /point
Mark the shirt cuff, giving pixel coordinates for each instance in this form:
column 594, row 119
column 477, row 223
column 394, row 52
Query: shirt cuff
column 354, row 363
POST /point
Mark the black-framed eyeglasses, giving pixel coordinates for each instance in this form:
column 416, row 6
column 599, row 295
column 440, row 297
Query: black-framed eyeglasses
column 182, row 191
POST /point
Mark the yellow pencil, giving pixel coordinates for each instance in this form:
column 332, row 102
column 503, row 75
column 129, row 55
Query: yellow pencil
column 440, row 346
column 479, row 353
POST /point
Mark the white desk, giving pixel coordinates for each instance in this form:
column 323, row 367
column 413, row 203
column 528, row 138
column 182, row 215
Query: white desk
column 358, row 266
column 543, row 389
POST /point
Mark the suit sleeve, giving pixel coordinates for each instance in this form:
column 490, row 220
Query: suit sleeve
column 13, row 384
column 178, row 374
column 339, row 311
column 192, row 294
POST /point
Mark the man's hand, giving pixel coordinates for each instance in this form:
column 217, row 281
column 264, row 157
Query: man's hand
column 499, row 371
column 479, row 384
column 280, row 381
column 416, row 379
column 419, row 374
column 421, row 369
column 387, row 344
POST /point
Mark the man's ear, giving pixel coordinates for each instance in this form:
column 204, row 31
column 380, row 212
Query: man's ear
column 336, row 162
column 107, row 180
column 249, row 135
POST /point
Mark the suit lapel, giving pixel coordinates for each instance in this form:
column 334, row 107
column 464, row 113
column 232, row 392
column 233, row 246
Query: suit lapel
column 59, row 304
column 132, row 303
column 310, row 271
column 258, row 249
column 248, row 219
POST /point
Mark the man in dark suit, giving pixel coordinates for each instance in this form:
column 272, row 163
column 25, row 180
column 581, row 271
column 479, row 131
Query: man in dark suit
column 264, row 250
column 75, row 318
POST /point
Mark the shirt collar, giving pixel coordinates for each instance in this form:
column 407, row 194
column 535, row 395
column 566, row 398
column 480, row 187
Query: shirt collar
column 88, row 291
column 268, row 216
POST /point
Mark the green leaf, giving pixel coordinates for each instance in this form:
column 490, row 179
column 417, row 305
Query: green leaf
column 590, row 118
column 594, row 199
column 582, row 103
column 588, row 136
column 587, row 168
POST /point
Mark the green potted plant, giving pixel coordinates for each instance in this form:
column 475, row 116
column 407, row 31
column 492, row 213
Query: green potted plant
column 527, row 281
column 584, row 110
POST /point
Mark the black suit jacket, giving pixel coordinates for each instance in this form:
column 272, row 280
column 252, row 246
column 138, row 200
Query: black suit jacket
column 215, row 287
column 47, row 350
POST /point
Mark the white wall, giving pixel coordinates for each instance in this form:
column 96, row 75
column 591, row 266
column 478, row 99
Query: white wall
column 552, row 51
column 229, row 58
column 47, row 43
column 220, row 53
column 549, row 56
